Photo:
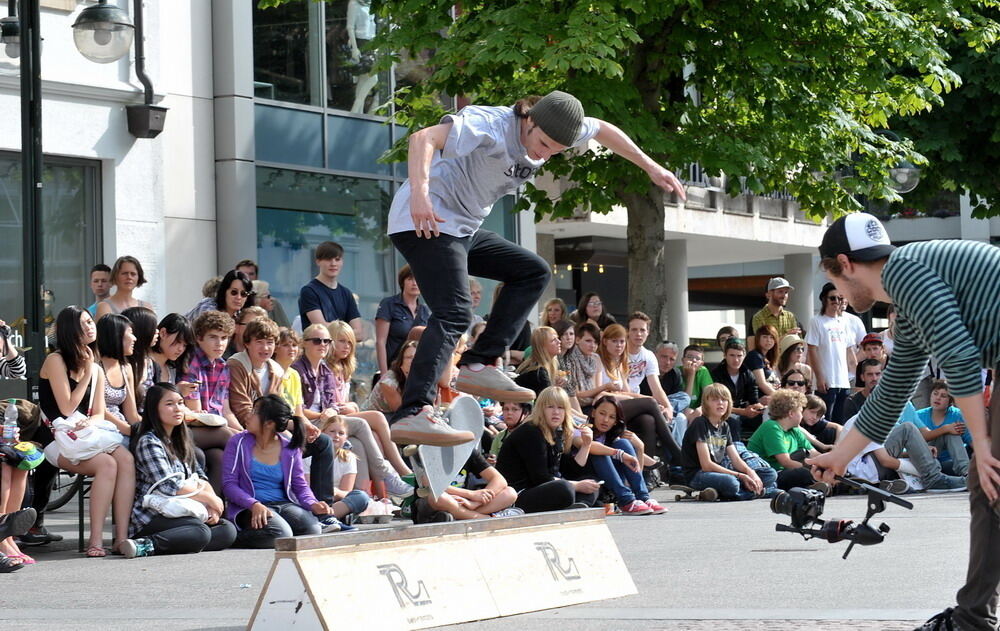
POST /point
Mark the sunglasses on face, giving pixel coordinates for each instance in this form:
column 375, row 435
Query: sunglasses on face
column 240, row 292
column 793, row 382
column 319, row 341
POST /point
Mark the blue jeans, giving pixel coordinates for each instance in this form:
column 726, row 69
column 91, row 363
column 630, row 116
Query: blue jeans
column 627, row 485
column 729, row 487
column 357, row 501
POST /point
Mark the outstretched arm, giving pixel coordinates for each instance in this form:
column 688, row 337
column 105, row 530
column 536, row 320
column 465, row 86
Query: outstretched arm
column 618, row 141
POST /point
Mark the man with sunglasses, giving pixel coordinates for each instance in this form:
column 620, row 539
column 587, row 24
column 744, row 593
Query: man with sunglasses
column 946, row 295
column 829, row 338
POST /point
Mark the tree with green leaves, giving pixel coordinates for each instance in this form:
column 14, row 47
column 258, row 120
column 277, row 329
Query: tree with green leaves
column 776, row 94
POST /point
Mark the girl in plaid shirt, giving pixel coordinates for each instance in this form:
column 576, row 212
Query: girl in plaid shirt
column 162, row 447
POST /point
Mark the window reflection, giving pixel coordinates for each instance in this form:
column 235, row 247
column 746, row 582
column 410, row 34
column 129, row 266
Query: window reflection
column 281, row 54
column 352, row 83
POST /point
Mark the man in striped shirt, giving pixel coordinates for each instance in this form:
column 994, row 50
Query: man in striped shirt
column 947, row 297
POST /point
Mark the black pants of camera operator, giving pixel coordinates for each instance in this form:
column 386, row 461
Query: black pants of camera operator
column 977, row 601
column 557, row 494
column 644, row 419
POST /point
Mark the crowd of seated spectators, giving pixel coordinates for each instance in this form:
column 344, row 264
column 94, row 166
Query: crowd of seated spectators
column 232, row 428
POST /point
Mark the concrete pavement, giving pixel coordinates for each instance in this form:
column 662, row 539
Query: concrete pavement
column 715, row 567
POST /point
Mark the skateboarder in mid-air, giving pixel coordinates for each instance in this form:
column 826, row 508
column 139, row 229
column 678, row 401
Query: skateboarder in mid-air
column 458, row 169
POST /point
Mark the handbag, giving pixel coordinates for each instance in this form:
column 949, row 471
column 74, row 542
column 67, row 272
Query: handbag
column 175, row 506
column 85, row 443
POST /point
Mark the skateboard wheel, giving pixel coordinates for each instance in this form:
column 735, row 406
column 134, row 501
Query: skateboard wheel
column 422, row 493
column 409, row 450
column 678, row 497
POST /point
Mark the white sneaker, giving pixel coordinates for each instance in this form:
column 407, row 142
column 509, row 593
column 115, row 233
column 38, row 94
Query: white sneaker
column 426, row 427
column 492, row 383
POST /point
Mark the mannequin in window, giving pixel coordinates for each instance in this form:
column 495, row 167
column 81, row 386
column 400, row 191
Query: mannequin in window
column 361, row 30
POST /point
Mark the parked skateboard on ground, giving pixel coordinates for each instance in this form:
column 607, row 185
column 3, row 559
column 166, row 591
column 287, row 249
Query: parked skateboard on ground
column 435, row 468
column 689, row 493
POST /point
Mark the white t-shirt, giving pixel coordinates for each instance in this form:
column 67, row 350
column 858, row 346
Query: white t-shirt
column 831, row 336
column 342, row 468
column 856, row 326
column 640, row 366
column 601, row 376
column 863, row 465
column 482, row 160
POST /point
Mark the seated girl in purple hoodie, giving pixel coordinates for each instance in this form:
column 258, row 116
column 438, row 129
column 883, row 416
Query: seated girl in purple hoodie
column 264, row 482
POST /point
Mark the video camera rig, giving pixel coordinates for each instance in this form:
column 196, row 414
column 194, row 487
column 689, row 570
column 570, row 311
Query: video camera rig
column 805, row 506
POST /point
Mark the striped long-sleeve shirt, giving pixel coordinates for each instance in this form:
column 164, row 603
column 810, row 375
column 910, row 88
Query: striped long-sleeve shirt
column 947, row 297
column 13, row 368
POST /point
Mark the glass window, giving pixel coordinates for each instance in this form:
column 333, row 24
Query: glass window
column 288, row 136
column 71, row 239
column 297, row 211
column 351, row 83
column 284, row 64
column 356, row 144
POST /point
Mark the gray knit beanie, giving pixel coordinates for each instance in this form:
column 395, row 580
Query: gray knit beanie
column 559, row 115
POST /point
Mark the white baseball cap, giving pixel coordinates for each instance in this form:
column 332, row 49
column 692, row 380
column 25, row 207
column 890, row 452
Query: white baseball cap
column 860, row 236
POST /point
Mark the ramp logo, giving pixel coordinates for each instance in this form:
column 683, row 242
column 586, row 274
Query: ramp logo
column 401, row 587
column 554, row 561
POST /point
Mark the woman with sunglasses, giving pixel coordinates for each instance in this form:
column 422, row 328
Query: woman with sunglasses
column 235, row 292
column 320, row 401
column 591, row 309
column 792, row 355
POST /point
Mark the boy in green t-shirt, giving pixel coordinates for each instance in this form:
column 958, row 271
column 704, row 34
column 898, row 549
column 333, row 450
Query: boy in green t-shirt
column 776, row 439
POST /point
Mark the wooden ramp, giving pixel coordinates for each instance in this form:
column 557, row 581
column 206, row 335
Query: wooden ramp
column 413, row 577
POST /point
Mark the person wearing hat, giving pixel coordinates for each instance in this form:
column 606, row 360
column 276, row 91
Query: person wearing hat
column 872, row 347
column 458, row 169
column 946, row 295
column 774, row 312
column 792, row 356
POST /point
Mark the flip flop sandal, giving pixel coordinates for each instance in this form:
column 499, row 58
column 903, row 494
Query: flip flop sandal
column 96, row 552
column 8, row 564
column 25, row 559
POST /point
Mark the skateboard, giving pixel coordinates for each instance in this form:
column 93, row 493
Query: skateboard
column 687, row 493
column 435, row 468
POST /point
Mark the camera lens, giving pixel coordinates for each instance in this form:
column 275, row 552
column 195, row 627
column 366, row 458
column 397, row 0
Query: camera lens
column 781, row 504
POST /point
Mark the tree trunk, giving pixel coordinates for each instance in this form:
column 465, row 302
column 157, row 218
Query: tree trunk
column 646, row 271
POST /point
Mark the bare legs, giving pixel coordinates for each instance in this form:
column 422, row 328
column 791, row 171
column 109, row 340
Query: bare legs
column 12, row 484
column 113, row 480
column 380, row 427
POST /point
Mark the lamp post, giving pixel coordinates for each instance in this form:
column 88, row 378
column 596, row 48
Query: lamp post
column 103, row 33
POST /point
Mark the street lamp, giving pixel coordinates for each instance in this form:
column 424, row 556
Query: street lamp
column 103, row 33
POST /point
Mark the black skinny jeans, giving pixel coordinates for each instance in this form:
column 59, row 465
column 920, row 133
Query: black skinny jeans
column 442, row 266
column 185, row 535
column 555, row 494
column 644, row 419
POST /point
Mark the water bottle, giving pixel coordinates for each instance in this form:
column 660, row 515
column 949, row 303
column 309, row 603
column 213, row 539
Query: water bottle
column 10, row 422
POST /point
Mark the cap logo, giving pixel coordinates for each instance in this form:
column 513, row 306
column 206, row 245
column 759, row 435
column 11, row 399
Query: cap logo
column 874, row 230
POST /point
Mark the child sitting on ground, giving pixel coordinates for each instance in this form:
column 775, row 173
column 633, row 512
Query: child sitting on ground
column 943, row 426
column 513, row 414
column 709, row 457
column 780, row 436
column 815, row 424
column 345, row 471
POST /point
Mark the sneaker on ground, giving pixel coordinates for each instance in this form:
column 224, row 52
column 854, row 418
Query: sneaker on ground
column 426, row 427
column 39, row 536
column 655, row 506
column 330, row 524
column 17, row 523
column 133, row 548
column 708, row 495
column 947, row 484
column 508, row 512
column 398, row 487
column 492, row 383
column 896, row 487
column 822, row 487
column 578, row 505
column 939, row 622
column 636, row 507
